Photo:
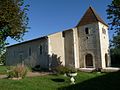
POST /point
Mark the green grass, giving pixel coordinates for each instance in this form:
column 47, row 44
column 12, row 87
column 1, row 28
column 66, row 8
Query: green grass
column 108, row 81
column 84, row 81
column 3, row 70
column 41, row 83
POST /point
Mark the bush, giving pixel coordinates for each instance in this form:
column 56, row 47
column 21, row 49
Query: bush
column 56, row 66
column 36, row 68
column 62, row 69
column 18, row 71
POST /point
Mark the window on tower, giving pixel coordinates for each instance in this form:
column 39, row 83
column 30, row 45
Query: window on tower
column 63, row 34
column 86, row 30
column 103, row 31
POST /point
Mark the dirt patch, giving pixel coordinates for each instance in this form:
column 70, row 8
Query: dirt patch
column 33, row 74
column 3, row 76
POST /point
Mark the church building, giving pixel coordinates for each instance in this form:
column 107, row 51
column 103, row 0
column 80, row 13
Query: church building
column 84, row 46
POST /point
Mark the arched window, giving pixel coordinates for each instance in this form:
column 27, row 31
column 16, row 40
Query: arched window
column 89, row 61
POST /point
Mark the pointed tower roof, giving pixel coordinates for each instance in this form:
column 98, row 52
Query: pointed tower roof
column 90, row 16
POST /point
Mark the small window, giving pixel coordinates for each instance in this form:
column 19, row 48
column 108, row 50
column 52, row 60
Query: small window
column 63, row 34
column 30, row 51
column 41, row 49
column 103, row 31
column 86, row 30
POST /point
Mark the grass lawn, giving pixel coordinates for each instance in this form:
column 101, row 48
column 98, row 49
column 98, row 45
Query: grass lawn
column 3, row 70
column 84, row 81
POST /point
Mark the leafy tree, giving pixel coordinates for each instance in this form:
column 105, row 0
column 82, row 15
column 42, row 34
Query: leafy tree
column 2, row 58
column 116, row 40
column 113, row 12
column 13, row 20
column 115, row 56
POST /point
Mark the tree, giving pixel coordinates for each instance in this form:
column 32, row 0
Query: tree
column 116, row 40
column 2, row 58
column 113, row 12
column 13, row 20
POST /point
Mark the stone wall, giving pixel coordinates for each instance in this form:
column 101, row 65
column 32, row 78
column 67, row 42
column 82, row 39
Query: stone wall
column 89, row 44
column 28, row 53
column 104, row 44
column 69, row 48
column 56, row 46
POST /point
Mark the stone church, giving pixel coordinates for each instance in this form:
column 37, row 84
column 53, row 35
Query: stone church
column 84, row 46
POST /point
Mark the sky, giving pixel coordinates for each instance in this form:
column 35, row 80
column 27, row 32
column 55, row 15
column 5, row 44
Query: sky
column 50, row 16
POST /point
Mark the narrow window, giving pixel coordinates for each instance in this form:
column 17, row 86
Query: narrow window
column 86, row 30
column 30, row 51
column 63, row 34
column 40, row 49
column 103, row 31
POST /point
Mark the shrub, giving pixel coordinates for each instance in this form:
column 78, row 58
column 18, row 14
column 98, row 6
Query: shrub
column 18, row 71
column 72, row 70
column 36, row 68
column 62, row 69
column 56, row 66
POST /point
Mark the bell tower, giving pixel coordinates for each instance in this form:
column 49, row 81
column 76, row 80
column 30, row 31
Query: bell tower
column 93, row 41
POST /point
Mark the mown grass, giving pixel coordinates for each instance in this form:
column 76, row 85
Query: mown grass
column 84, row 81
column 3, row 70
column 49, row 82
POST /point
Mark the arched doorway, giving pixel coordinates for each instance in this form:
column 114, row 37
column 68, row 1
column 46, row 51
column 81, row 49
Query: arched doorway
column 89, row 61
column 106, row 60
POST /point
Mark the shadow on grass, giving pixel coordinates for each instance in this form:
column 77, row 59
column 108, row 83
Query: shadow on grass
column 58, row 80
column 109, row 81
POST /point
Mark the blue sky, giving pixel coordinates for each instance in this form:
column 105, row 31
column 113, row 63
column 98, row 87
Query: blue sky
column 50, row 16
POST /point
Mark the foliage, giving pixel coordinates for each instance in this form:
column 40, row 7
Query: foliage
column 116, row 40
column 115, row 56
column 13, row 20
column 61, row 69
column 113, row 12
column 56, row 66
column 2, row 58
column 3, row 70
column 36, row 68
column 17, row 71
column 55, row 61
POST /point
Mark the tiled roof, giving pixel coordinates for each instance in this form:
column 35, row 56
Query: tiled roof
column 89, row 17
